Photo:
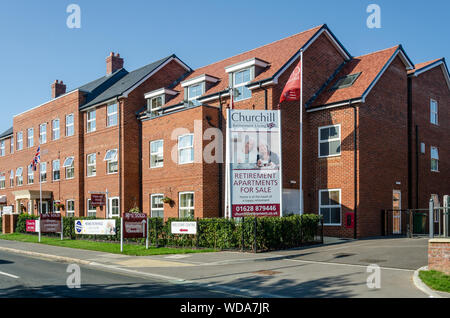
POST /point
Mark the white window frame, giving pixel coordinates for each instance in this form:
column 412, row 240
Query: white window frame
column 53, row 170
column 111, row 159
column 70, row 127
column 159, row 153
column 434, row 115
column 186, row 208
column 91, row 164
column 69, row 167
column 110, row 207
column 111, row 115
column 201, row 85
column 235, row 86
column 11, row 148
column 19, row 140
column 2, row 148
column 70, row 213
column 184, row 148
column 11, row 178
column 43, row 133
column 30, row 137
column 434, row 158
column 151, row 204
column 19, row 177
column 331, row 206
column 54, row 210
column 150, row 103
column 56, row 131
column 329, row 140
column 89, row 126
column 42, row 171
column 30, row 174
column 2, row 182
column 91, row 212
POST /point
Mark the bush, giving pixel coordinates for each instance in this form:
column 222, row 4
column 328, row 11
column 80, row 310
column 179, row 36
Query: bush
column 271, row 232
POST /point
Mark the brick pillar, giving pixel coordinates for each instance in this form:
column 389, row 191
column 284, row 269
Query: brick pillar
column 439, row 255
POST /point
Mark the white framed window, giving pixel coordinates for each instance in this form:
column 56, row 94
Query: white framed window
column 11, row 148
column 114, row 207
column 156, row 205
column 56, row 175
column 2, row 148
column 195, row 91
column 70, row 208
column 91, row 165
column 69, row 165
column 30, row 174
column 434, row 159
column 55, row 129
column 186, row 204
column 43, row 133
column 111, row 115
column 240, row 79
column 69, row 125
column 156, row 153
column 434, row 112
column 19, row 140
column 43, row 171
column 329, row 141
column 30, row 137
column 19, row 176
column 2, row 181
column 112, row 165
column 186, row 149
column 11, row 178
column 155, row 103
column 92, row 210
column 91, row 123
column 330, row 206
column 55, row 206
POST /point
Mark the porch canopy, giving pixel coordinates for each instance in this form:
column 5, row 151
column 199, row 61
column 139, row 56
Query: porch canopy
column 32, row 195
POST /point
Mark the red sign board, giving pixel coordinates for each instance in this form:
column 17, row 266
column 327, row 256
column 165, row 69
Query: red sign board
column 50, row 223
column 98, row 199
column 31, row 226
column 134, row 225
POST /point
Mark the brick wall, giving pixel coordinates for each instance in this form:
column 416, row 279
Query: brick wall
column 439, row 255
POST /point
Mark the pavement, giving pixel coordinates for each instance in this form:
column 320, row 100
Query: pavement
column 338, row 268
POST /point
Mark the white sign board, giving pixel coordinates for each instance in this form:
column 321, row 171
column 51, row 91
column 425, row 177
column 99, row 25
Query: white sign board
column 7, row 210
column 95, row 227
column 184, row 227
column 254, row 163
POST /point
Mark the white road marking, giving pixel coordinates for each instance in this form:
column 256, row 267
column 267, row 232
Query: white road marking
column 9, row 275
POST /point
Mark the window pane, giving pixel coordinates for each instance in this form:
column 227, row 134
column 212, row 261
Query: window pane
column 334, row 197
column 325, row 212
column 335, row 215
column 324, row 198
column 324, row 149
column 324, row 133
column 335, row 147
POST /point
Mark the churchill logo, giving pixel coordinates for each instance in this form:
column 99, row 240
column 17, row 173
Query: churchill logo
column 78, row 226
column 271, row 125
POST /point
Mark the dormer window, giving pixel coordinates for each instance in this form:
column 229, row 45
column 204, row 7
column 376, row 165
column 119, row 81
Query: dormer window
column 195, row 87
column 157, row 98
column 241, row 74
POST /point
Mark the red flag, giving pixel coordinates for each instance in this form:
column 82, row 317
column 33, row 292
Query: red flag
column 291, row 91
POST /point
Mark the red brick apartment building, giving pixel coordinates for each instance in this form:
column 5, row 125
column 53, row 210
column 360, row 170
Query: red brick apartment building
column 376, row 128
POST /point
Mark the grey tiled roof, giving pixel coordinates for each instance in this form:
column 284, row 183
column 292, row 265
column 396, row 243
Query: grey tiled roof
column 125, row 83
column 6, row 133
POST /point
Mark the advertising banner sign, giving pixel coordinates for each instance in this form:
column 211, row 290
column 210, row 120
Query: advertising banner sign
column 183, row 227
column 98, row 199
column 254, row 163
column 95, row 227
column 50, row 223
column 134, row 225
column 32, row 225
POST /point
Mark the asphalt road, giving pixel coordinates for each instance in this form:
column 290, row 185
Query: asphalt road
column 23, row 276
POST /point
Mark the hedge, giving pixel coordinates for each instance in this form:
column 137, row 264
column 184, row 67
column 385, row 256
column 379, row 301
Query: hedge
column 271, row 233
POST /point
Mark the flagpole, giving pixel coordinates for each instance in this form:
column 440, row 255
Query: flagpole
column 301, row 132
column 40, row 181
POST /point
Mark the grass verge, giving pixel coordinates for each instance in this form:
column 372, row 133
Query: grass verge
column 128, row 249
column 436, row 280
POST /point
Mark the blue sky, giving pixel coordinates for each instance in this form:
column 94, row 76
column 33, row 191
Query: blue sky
column 37, row 46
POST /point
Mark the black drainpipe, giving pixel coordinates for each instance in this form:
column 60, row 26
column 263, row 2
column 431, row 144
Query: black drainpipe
column 220, row 163
column 265, row 96
column 417, row 167
column 410, row 150
column 355, row 163
column 141, row 203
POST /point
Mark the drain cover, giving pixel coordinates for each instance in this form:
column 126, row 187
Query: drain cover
column 266, row 272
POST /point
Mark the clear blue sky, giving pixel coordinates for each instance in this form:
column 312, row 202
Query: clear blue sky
column 37, row 47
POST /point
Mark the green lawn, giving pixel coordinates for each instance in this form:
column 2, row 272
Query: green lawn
column 128, row 249
column 436, row 280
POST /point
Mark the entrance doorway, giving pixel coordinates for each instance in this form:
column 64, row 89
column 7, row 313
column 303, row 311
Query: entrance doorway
column 397, row 213
column 44, row 207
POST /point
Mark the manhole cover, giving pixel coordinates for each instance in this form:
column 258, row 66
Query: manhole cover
column 266, row 272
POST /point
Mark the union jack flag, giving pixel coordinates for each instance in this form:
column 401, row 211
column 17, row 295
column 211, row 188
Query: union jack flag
column 37, row 158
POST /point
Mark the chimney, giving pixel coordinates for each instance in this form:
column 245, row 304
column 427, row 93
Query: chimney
column 113, row 63
column 58, row 89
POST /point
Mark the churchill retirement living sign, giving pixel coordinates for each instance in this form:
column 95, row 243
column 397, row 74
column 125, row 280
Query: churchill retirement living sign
column 254, row 163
